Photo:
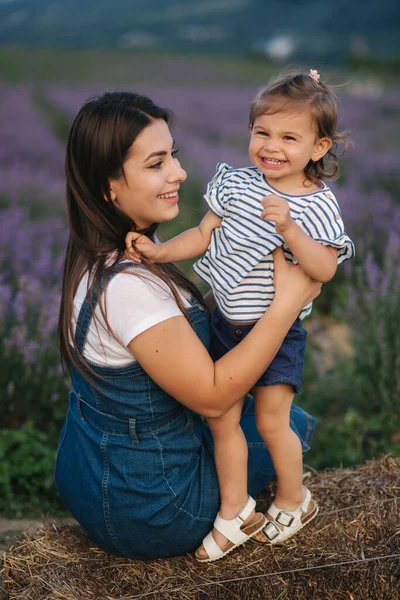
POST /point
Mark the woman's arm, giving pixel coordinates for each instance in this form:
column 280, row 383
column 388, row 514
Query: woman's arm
column 173, row 356
column 189, row 244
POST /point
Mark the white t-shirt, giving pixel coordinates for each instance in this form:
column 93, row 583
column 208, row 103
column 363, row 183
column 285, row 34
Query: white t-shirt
column 133, row 303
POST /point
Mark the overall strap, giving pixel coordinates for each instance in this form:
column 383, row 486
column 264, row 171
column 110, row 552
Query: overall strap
column 86, row 312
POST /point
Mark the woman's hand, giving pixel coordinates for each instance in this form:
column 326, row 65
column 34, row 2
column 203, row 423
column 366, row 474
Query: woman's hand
column 292, row 285
column 138, row 244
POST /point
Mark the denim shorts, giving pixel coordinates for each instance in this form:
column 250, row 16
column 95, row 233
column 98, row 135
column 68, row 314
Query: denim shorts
column 287, row 365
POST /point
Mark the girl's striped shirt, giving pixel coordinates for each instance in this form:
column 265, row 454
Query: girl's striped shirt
column 238, row 263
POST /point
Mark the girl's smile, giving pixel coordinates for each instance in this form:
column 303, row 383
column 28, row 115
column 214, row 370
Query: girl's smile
column 272, row 163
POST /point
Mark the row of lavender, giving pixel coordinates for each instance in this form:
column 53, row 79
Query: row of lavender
column 211, row 126
column 32, row 240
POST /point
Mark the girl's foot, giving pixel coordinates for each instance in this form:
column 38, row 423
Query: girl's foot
column 283, row 524
column 230, row 533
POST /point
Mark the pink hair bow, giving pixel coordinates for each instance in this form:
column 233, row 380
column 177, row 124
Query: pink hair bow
column 314, row 75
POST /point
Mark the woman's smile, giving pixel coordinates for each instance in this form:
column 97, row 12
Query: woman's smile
column 170, row 198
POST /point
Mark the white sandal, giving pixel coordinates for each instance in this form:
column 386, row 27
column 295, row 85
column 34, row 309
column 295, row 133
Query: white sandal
column 292, row 521
column 233, row 530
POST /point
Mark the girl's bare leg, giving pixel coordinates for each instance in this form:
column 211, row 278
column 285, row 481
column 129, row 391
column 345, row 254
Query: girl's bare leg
column 230, row 452
column 272, row 412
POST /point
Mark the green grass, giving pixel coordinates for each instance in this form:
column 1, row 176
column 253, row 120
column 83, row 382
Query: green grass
column 132, row 67
column 125, row 67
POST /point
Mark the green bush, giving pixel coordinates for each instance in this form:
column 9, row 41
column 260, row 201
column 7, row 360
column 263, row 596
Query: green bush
column 357, row 402
column 353, row 439
column 36, row 391
column 27, row 486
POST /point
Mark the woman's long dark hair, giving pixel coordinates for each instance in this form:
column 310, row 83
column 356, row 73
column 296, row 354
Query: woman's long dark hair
column 98, row 145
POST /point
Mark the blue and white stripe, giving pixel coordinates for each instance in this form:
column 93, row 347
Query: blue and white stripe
column 238, row 264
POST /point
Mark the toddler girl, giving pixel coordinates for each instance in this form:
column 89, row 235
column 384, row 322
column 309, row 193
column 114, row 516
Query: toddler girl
column 280, row 201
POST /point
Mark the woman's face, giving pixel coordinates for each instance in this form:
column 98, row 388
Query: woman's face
column 149, row 192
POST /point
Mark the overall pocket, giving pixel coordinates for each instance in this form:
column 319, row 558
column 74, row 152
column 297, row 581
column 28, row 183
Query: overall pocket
column 180, row 452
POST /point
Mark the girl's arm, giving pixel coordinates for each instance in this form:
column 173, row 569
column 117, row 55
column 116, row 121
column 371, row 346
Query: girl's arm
column 174, row 357
column 189, row 244
column 317, row 260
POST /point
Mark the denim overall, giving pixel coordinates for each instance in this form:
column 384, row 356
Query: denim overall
column 136, row 468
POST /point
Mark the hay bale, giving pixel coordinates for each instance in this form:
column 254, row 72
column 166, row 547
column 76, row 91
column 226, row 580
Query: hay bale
column 350, row 552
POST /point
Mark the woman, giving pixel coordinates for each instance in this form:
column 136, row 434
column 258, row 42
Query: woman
column 135, row 464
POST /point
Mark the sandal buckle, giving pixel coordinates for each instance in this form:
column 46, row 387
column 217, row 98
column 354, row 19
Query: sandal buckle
column 284, row 518
column 271, row 531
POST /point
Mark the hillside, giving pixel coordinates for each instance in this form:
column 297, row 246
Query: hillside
column 312, row 29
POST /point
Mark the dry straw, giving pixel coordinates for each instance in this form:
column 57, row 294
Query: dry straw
column 350, row 552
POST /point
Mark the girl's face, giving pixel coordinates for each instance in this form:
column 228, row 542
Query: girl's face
column 282, row 144
column 149, row 192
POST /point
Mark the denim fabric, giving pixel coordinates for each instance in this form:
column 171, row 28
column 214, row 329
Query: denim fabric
column 136, row 468
column 287, row 365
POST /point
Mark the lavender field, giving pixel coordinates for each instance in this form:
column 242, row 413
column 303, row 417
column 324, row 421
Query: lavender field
column 357, row 397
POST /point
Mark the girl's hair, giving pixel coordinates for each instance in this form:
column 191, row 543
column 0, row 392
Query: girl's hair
column 98, row 145
column 303, row 92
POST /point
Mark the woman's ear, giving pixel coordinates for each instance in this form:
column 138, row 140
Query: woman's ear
column 321, row 147
column 112, row 194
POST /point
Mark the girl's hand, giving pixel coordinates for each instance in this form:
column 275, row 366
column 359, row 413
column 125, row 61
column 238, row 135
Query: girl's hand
column 276, row 210
column 138, row 244
column 292, row 285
